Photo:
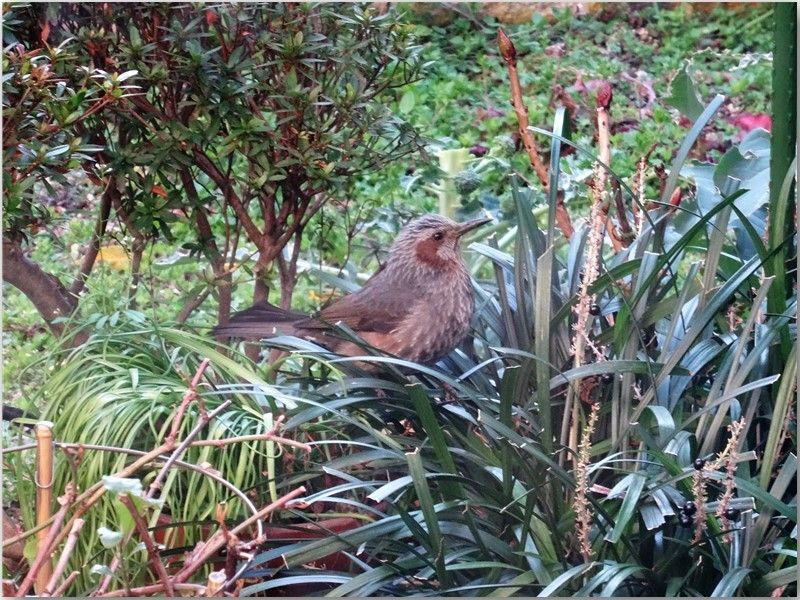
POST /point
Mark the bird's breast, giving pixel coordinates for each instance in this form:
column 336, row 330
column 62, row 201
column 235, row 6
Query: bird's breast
column 439, row 320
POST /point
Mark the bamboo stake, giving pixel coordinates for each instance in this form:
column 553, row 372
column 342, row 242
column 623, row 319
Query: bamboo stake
column 44, row 495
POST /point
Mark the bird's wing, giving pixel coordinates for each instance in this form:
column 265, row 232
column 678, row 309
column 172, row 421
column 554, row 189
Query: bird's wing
column 380, row 306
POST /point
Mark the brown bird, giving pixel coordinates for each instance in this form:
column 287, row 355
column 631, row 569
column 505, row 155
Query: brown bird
column 418, row 306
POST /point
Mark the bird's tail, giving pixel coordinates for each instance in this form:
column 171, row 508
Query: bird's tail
column 260, row 321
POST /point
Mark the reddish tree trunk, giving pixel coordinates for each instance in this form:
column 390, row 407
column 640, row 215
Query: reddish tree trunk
column 45, row 291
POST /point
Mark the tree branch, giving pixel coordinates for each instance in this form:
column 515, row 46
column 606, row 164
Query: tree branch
column 210, row 169
column 94, row 245
column 45, row 291
column 152, row 551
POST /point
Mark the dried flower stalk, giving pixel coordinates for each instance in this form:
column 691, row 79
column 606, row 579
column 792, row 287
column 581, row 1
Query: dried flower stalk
column 729, row 457
column 583, row 512
column 580, row 339
column 726, row 458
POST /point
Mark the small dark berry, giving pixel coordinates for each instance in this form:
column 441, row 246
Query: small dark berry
column 689, row 508
column 478, row 150
column 594, row 309
column 685, row 520
column 732, row 514
column 607, row 378
column 699, row 464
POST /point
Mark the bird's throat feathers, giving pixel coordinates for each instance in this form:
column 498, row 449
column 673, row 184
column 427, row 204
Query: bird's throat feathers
column 427, row 251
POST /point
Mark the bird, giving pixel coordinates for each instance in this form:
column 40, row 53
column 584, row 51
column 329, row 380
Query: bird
column 417, row 306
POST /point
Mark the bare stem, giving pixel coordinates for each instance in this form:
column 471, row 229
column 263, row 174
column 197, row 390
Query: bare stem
column 46, row 547
column 63, row 560
column 205, row 551
column 157, row 588
column 59, row 591
column 509, row 55
column 152, row 551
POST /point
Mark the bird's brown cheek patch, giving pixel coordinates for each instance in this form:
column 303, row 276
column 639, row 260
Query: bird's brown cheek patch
column 428, row 252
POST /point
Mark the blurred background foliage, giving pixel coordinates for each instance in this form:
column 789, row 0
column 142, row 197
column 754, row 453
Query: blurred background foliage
column 166, row 164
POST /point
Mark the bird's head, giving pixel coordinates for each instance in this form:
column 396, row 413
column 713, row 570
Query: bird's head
column 431, row 241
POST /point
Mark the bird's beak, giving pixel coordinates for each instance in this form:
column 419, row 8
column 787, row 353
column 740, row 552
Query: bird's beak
column 470, row 225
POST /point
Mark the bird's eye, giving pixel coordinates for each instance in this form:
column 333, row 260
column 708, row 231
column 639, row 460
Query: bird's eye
column 438, row 236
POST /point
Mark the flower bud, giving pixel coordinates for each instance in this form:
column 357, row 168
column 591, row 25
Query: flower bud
column 507, row 50
column 604, row 95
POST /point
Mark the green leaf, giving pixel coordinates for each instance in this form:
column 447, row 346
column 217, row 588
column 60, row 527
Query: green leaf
column 429, row 512
column 683, row 95
column 108, row 537
column 628, row 508
column 728, row 586
column 422, row 405
column 122, row 485
column 407, row 102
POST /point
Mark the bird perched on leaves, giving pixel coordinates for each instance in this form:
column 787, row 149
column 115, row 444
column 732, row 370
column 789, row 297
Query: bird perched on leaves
column 418, row 306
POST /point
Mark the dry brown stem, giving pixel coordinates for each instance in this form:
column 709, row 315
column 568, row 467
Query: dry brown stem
column 46, row 547
column 205, row 551
column 583, row 512
column 604, row 146
column 152, row 551
column 63, row 560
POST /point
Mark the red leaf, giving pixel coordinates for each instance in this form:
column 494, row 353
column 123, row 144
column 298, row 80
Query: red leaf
column 749, row 121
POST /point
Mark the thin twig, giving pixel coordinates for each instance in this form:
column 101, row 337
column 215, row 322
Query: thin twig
column 152, row 551
column 66, row 554
column 174, row 456
column 191, row 305
column 203, row 421
column 46, row 547
column 136, row 268
column 149, row 590
column 203, row 552
column 94, row 245
column 191, row 394
column 256, row 437
column 59, row 591
column 93, row 494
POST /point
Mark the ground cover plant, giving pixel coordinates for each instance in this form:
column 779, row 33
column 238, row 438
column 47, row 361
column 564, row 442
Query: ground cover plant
column 619, row 421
